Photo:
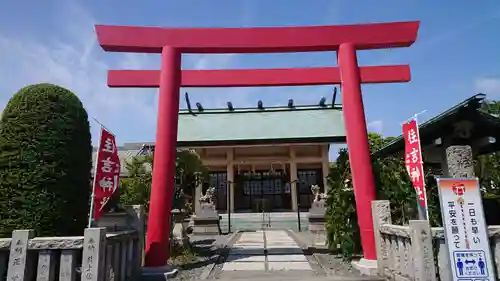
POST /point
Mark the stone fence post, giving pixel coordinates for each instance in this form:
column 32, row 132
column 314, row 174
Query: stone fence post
column 422, row 250
column 381, row 211
column 20, row 258
column 94, row 254
column 137, row 214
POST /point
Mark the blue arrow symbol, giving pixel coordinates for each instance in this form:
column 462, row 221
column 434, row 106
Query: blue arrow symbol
column 469, row 262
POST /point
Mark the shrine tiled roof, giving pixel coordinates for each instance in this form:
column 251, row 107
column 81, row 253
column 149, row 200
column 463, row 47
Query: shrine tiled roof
column 214, row 127
column 260, row 126
column 485, row 125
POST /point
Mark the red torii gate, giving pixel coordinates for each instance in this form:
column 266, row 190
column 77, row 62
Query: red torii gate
column 173, row 42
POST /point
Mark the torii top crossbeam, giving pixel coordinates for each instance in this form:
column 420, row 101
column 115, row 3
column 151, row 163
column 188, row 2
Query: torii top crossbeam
column 256, row 40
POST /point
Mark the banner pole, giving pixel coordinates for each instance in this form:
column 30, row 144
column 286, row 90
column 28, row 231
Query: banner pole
column 92, row 197
column 413, row 117
column 102, row 126
column 423, row 214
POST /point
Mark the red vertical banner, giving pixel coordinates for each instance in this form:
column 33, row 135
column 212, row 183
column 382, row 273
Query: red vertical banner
column 107, row 172
column 414, row 162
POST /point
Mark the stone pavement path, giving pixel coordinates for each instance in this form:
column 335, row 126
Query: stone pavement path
column 265, row 251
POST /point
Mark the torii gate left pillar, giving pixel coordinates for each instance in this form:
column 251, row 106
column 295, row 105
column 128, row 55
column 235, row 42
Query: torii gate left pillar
column 171, row 43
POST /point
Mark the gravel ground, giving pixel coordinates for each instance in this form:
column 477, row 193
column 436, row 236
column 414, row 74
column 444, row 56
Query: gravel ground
column 334, row 265
column 330, row 262
column 207, row 249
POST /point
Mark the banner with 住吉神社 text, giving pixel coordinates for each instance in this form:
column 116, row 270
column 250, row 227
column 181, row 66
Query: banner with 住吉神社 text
column 414, row 162
column 107, row 172
column 466, row 233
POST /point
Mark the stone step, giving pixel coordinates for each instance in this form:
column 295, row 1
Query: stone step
column 291, row 224
column 253, row 221
column 248, row 216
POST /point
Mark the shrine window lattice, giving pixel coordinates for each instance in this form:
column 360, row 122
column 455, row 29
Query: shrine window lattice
column 265, row 183
column 307, row 178
column 217, row 180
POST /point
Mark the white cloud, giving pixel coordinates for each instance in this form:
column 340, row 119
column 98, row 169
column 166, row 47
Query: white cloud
column 488, row 86
column 71, row 57
column 75, row 66
column 75, row 61
column 375, row 126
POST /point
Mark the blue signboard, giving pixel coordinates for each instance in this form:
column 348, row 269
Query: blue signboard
column 470, row 264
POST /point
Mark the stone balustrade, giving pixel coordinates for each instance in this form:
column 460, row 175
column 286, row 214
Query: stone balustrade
column 112, row 251
column 442, row 251
column 95, row 256
column 408, row 252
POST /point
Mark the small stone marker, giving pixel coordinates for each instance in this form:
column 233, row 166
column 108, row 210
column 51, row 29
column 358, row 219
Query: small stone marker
column 67, row 269
column 93, row 263
column 46, row 266
column 19, row 255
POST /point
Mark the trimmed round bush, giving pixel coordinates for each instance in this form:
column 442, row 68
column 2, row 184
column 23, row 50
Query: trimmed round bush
column 45, row 162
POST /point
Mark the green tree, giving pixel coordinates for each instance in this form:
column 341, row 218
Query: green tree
column 341, row 220
column 392, row 184
column 487, row 167
column 45, row 162
column 136, row 188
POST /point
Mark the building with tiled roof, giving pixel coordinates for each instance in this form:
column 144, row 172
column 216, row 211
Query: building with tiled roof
column 258, row 156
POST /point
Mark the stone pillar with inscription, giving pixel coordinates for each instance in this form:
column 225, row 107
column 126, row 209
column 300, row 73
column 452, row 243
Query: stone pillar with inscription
column 19, row 259
column 381, row 211
column 458, row 163
column 94, row 254
column 422, row 250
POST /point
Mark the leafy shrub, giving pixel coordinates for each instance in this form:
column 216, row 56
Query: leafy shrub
column 45, row 162
column 340, row 217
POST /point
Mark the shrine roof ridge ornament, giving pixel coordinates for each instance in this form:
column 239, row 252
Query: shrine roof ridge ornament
column 258, row 39
column 279, row 108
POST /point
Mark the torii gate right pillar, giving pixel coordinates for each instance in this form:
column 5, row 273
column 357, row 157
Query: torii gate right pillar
column 357, row 144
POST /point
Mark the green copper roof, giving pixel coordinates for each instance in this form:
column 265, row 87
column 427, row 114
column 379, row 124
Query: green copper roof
column 271, row 125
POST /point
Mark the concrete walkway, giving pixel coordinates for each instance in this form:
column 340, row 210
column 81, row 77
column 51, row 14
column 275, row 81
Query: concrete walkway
column 265, row 251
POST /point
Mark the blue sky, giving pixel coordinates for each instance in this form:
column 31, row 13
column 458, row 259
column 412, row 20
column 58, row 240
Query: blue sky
column 456, row 54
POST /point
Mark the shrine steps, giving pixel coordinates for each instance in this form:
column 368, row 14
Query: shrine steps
column 253, row 221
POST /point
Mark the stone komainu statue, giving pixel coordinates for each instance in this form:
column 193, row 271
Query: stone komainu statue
column 208, row 196
column 318, row 196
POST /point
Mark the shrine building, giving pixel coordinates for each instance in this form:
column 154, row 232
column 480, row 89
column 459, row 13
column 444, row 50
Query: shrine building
column 258, row 158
